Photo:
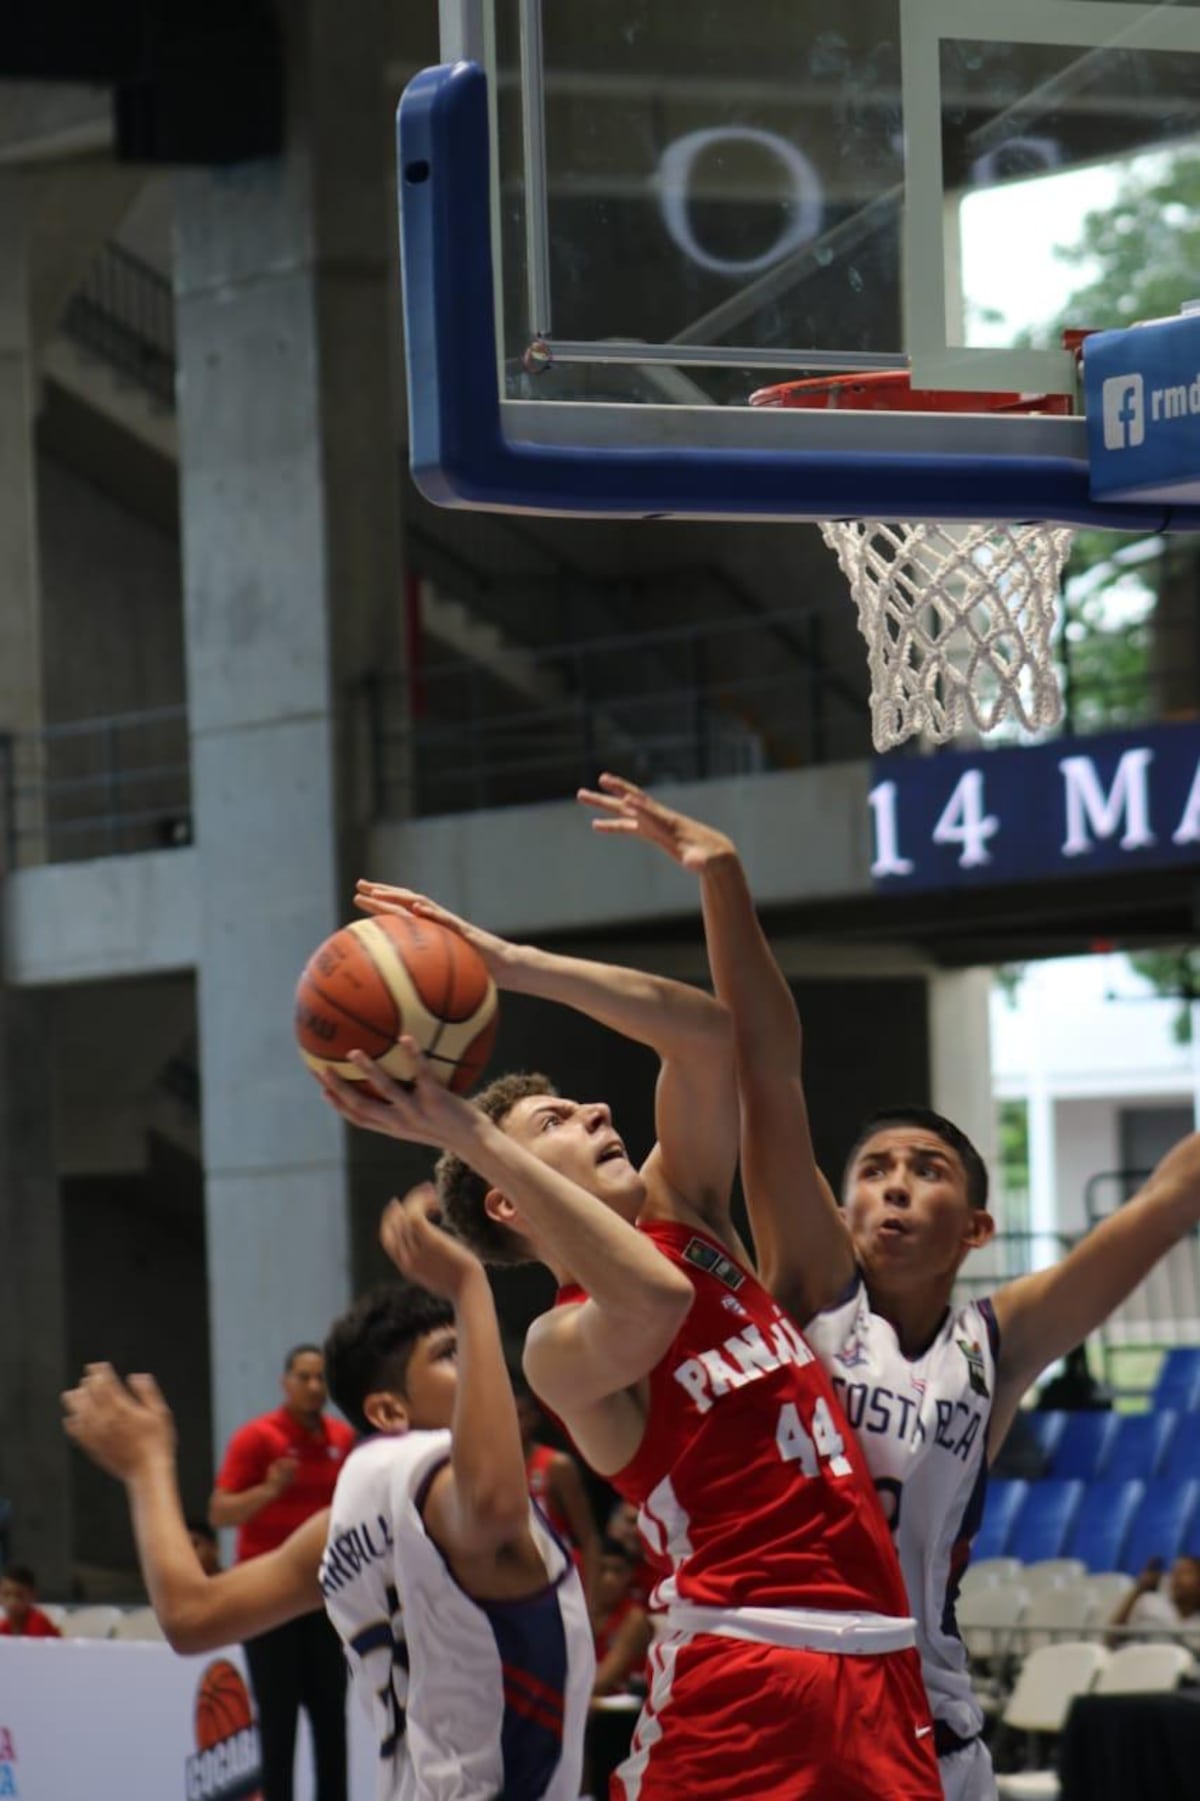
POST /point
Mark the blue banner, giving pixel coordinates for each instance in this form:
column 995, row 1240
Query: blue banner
column 1142, row 389
column 1076, row 807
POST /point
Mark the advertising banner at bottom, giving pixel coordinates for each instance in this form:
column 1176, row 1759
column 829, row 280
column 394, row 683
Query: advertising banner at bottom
column 94, row 1720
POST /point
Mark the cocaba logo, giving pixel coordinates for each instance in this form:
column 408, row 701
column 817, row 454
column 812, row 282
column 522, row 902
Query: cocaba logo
column 226, row 1763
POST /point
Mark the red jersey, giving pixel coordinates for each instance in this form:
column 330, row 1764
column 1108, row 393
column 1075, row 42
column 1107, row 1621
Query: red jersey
column 748, row 1477
column 537, row 1473
column 37, row 1625
column 249, row 1455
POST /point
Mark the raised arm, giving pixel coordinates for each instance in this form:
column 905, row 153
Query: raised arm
column 480, row 1503
column 637, row 1299
column 130, row 1433
column 803, row 1248
column 696, row 1112
column 1043, row 1316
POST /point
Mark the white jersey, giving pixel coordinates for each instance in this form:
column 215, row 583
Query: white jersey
column 923, row 1425
column 471, row 1700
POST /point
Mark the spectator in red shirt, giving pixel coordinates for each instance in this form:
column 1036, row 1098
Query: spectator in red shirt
column 278, row 1471
column 620, row 1624
column 18, row 1591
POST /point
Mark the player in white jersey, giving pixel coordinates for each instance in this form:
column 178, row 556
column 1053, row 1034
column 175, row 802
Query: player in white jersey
column 462, row 1612
column 930, row 1387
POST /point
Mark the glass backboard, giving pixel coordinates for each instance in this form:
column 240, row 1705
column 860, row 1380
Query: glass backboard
column 626, row 218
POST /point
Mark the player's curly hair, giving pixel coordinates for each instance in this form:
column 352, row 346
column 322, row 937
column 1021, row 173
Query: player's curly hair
column 461, row 1191
column 928, row 1121
column 368, row 1349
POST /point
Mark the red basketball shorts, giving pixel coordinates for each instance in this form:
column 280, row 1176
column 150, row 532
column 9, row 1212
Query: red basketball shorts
column 731, row 1720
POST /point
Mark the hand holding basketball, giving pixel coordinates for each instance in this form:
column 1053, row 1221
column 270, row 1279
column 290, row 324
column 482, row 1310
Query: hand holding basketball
column 420, row 1111
column 381, row 900
column 122, row 1428
column 421, row 1249
column 627, row 809
column 400, row 976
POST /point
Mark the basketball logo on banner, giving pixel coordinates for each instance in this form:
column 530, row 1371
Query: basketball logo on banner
column 225, row 1765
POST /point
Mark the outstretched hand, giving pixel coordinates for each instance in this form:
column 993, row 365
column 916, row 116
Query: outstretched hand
column 625, row 808
column 379, row 898
column 420, row 1111
column 421, row 1249
column 122, row 1427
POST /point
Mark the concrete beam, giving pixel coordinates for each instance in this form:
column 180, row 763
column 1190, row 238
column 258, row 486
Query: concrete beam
column 804, row 835
column 111, row 918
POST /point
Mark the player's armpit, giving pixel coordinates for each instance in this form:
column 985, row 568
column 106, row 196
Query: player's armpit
column 253, row 1597
column 595, row 1392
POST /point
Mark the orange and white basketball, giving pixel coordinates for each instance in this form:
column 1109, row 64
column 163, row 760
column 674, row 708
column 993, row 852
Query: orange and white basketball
column 394, row 974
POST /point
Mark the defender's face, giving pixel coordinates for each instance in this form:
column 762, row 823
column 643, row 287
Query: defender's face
column 431, row 1381
column 907, row 1206
column 578, row 1140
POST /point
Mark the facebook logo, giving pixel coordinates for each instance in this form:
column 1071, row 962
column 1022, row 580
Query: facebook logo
column 1124, row 412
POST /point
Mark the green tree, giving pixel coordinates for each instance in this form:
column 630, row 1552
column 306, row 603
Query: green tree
column 1175, row 975
column 1139, row 259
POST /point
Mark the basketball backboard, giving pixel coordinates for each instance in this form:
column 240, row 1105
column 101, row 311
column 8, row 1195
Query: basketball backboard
column 622, row 219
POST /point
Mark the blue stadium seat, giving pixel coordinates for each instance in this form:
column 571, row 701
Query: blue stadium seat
column 1102, row 1523
column 1161, row 1524
column 1140, row 1445
column 1084, row 1445
column 1047, row 1428
column 1178, row 1384
column 1000, row 1506
column 1182, row 1461
column 1043, row 1520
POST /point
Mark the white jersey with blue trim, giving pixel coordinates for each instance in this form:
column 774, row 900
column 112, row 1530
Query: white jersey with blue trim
column 470, row 1700
column 922, row 1423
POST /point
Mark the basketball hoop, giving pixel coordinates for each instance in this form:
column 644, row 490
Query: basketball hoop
column 959, row 619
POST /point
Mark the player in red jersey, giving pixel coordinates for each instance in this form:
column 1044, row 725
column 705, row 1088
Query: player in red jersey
column 786, row 1669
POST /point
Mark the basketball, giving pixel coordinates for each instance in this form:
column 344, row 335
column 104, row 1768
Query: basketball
column 222, row 1705
column 394, row 974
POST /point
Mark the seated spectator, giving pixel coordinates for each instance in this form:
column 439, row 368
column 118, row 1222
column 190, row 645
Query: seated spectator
column 18, row 1592
column 1155, row 1613
column 620, row 1623
column 204, row 1544
column 622, row 1529
column 1074, row 1389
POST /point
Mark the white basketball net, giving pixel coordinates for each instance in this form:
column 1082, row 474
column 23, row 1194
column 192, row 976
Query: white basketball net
column 959, row 623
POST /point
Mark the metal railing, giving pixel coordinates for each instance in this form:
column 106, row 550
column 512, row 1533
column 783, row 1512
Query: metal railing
column 1163, row 1310
column 96, row 787
column 704, row 698
column 123, row 312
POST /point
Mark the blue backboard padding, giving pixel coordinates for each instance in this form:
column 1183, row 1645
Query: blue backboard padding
column 461, row 457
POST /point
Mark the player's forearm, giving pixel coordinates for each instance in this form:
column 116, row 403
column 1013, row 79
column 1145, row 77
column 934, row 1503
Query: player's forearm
column 622, row 1270
column 485, row 1454
column 226, row 1509
column 669, row 1016
column 745, row 974
column 178, row 1588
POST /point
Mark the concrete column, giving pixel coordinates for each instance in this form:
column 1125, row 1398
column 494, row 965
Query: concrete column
column 20, row 611
column 961, row 1055
column 290, row 500
column 34, row 1455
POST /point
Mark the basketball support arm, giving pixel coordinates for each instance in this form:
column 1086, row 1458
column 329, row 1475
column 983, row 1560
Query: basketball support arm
column 462, row 455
